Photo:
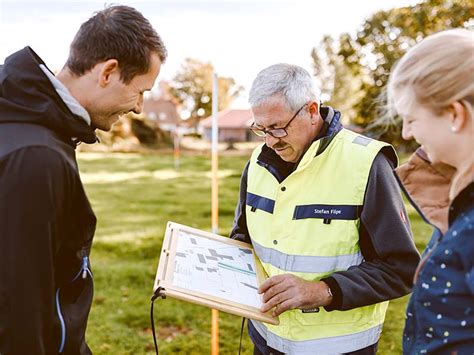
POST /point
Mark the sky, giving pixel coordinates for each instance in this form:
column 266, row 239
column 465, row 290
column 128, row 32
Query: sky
column 239, row 38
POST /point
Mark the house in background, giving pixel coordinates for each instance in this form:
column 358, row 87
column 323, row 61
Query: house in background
column 233, row 126
column 162, row 112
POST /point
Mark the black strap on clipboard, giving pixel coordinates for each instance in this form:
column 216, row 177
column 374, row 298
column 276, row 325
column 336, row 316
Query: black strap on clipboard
column 158, row 293
column 241, row 334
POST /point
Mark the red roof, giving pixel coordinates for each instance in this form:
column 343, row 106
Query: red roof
column 230, row 119
column 164, row 110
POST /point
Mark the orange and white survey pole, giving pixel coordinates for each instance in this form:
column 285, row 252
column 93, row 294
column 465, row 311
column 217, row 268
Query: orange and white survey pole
column 215, row 203
column 176, row 150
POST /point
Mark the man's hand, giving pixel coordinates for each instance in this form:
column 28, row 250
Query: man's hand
column 287, row 291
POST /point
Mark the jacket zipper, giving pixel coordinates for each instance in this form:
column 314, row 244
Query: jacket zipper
column 85, row 268
column 63, row 324
column 83, row 273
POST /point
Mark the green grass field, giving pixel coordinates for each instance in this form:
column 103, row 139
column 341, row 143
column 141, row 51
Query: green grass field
column 134, row 196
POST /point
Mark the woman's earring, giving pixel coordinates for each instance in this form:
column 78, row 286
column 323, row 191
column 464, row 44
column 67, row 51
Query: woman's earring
column 454, row 129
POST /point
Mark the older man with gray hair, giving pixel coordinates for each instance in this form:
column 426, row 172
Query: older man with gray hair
column 323, row 211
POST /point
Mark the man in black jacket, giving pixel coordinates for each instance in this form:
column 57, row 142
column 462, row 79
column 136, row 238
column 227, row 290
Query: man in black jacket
column 46, row 221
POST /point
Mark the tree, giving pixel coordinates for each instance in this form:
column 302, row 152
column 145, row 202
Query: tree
column 338, row 80
column 381, row 41
column 192, row 87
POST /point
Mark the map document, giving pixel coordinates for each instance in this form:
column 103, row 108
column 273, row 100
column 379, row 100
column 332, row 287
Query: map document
column 216, row 268
column 212, row 271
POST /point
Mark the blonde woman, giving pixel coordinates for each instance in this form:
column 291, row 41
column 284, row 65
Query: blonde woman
column 432, row 89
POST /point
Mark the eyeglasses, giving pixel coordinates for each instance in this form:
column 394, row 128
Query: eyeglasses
column 275, row 132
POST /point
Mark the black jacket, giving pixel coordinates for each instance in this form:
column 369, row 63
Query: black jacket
column 46, row 221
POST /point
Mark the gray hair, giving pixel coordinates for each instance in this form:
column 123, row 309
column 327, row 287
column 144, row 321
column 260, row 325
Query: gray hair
column 292, row 82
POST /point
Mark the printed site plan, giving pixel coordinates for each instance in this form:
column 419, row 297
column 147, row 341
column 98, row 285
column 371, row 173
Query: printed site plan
column 217, row 269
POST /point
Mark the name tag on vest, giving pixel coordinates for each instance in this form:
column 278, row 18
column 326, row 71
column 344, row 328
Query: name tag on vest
column 260, row 202
column 347, row 212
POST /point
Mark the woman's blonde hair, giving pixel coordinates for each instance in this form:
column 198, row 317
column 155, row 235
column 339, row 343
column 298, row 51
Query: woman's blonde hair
column 435, row 73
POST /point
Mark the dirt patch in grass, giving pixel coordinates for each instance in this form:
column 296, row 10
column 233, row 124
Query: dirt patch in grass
column 168, row 333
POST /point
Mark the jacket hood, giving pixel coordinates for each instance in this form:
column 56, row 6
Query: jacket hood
column 428, row 186
column 432, row 188
column 28, row 96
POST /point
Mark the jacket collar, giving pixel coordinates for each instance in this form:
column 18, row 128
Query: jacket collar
column 462, row 202
column 73, row 105
column 422, row 180
column 461, row 192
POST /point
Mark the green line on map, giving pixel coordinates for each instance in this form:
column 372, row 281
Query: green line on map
column 230, row 267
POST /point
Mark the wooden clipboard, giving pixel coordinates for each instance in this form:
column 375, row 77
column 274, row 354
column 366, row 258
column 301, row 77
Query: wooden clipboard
column 166, row 272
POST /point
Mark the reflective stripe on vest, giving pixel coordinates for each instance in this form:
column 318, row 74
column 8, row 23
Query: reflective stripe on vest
column 308, row 226
column 332, row 345
column 306, row 263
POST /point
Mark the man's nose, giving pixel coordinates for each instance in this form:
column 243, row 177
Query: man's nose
column 270, row 141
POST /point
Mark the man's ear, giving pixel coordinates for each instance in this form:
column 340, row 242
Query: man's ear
column 109, row 67
column 313, row 108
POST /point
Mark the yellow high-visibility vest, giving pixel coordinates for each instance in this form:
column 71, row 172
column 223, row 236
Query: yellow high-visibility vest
column 308, row 226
